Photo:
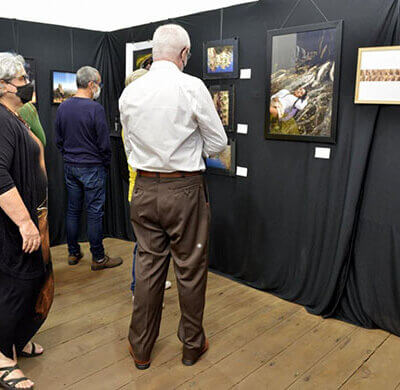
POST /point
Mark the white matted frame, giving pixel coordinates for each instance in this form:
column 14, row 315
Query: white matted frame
column 130, row 49
column 378, row 75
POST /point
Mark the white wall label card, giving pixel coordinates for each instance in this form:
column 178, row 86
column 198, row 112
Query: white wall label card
column 324, row 153
column 245, row 74
column 241, row 171
column 242, row 128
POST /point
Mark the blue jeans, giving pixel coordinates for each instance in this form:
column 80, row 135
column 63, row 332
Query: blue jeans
column 87, row 183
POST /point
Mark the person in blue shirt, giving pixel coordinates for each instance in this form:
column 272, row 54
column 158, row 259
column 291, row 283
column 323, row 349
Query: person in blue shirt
column 83, row 138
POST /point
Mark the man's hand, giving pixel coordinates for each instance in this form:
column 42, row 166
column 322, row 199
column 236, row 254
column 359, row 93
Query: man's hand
column 30, row 236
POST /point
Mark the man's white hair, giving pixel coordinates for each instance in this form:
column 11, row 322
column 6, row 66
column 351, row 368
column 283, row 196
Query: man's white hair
column 11, row 66
column 168, row 41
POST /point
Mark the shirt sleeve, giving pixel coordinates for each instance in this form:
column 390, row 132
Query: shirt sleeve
column 301, row 104
column 7, row 149
column 103, row 134
column 59, row 135
column 210, row 125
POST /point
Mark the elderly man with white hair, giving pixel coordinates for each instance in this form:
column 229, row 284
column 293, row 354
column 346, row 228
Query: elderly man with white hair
column 170, row 125
column 23, row 212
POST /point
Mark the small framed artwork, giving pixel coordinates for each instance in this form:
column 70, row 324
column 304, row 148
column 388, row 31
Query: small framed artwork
column 221, row 59
column 225, row 162
column 378, row 75
column 224, row 100
column 139, row 55
column 303, row 66
column 30, row 69
column 63, row 86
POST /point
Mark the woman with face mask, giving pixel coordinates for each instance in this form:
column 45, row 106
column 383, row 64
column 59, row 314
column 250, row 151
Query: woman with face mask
column 26, row 281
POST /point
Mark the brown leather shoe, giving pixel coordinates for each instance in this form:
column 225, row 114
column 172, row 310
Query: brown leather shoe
column 75, row 259
column 138, row 363
column 190, row 362
column 107, row 262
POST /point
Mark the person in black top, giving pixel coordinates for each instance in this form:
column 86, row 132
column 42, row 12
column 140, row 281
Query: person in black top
column 83, row 138
column 23, row 193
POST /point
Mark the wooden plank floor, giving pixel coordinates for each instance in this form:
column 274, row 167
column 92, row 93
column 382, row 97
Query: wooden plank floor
column 257, row 341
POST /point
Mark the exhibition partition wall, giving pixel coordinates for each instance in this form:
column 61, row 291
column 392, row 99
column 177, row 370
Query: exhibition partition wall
column 319, row 232
column 56, row 48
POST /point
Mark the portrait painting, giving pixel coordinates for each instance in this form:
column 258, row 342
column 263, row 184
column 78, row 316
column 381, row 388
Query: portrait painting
column 378, row 75
column 63, row 86
column 220, row 59
column 302, row 82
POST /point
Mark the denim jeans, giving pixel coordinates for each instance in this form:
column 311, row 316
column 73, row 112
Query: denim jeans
column 89, row 184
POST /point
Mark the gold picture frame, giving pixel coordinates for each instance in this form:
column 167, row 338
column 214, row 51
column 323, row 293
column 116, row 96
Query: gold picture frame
column 374, row 79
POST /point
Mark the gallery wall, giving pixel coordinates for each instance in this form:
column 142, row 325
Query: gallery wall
column 66, row 49
column 321, row 233
column 293, row 226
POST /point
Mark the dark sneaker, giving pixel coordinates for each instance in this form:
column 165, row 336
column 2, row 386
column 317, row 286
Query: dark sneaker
column 75, row 259
column 107, row 262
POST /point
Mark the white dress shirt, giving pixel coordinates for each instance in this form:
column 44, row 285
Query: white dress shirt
column 290, row 103
column 170, row 121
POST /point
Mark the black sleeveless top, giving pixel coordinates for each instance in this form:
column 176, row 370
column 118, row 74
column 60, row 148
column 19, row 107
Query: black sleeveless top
column 20, row 168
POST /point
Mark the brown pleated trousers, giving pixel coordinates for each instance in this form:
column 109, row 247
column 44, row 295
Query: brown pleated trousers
column 171, row 218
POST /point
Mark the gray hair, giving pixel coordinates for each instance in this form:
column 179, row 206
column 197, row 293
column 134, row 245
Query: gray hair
column 11, row 66
column 85, row 75
column 169, row 40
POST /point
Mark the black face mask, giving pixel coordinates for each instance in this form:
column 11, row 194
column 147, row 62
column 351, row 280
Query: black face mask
column 24, row 92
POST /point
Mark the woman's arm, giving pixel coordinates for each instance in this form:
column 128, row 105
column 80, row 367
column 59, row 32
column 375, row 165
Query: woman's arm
column 12, row 204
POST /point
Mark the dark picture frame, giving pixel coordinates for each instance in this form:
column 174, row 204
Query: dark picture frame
column 221, row 59
column 138, row 55
column 310, row 79
column 31, row 71
column 217, row 164
column 67, row 90
column 223, row 96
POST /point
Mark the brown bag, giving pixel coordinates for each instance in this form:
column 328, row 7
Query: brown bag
column 46, row 295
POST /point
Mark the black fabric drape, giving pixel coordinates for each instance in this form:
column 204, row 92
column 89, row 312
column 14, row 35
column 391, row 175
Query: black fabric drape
column 290, row 227
column 322, row 233
column 371, row 295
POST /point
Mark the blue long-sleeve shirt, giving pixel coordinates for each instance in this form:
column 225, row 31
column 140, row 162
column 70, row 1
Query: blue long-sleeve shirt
column 82, row 133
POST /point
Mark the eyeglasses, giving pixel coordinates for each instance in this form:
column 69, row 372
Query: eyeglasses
column 189, row 54
column 99, row 84
column 24, row 77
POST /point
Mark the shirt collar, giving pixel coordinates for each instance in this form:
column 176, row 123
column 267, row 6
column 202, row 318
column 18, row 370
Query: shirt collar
column 163, row 65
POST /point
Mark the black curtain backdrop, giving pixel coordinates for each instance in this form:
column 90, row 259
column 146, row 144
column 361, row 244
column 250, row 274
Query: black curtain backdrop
column 321, row 233
column 315, row 232
column 67, row 49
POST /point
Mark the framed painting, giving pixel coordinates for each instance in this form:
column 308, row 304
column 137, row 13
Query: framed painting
column 378, row 75
column 63, row 86
column 139, row 55
column 225, row 162
column 221, row 59
column 30, row 69
column 224, row 100
column 303, row 66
